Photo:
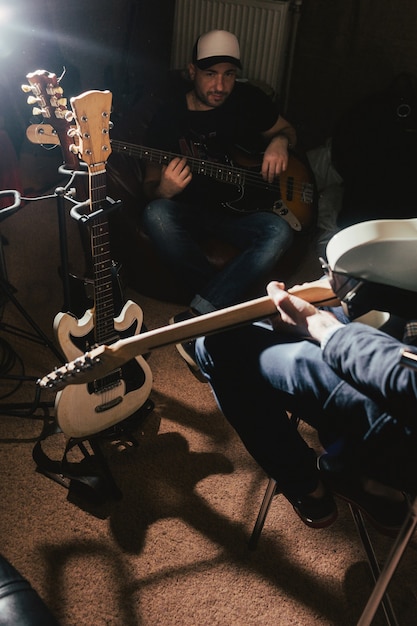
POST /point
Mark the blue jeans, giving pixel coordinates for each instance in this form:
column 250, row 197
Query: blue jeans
column 176, row 230
column 257, row 375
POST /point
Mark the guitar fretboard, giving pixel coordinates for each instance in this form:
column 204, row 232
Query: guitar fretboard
column 222, row 173
column 102, row 263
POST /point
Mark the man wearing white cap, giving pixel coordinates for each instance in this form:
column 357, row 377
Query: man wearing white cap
column 203, row 123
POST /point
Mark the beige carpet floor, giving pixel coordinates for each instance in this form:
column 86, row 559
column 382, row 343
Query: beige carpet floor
column 173, row 550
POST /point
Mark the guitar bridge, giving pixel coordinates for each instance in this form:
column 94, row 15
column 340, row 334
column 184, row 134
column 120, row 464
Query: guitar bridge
column 308, row 193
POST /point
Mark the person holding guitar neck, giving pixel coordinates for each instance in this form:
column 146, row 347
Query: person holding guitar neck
column 213, row 114
column 344, row 379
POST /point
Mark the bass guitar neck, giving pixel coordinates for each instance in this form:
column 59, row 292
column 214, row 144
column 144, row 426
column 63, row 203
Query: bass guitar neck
column 292, row 195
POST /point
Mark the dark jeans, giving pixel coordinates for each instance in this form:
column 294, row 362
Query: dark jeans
column 257, row 375
column 176, row 230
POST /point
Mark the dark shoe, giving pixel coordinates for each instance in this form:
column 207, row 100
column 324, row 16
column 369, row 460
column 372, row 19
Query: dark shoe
column 385, row 514
column 315, row 512
column 187, row 348
column 188, row 314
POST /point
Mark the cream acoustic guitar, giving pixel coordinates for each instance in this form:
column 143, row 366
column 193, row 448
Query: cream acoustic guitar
column 106, row 400
column 104, row 359
column 240, row 189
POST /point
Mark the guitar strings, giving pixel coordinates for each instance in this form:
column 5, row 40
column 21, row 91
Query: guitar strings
column 230, row 173
column 221, row 171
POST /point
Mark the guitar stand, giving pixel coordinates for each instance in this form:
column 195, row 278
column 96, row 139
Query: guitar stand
column 89, row 479
column 110, row 205
column 90, row 475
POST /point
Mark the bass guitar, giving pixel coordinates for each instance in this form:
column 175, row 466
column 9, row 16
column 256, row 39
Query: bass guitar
column 105, row 358
column 291, row 196
column 109, row 399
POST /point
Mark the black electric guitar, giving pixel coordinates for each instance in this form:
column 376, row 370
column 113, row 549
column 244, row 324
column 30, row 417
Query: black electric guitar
column 291, row 195
column 105, row 401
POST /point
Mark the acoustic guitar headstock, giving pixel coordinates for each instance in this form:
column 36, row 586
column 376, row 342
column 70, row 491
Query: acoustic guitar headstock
column 91, row 111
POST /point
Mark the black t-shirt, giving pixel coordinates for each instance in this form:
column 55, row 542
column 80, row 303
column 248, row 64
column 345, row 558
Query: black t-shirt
column 214, row 134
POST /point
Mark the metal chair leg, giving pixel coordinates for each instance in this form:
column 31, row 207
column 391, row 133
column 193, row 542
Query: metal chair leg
column 263, row 512
column 381, row 578
column 390, row 566
column 389, row 613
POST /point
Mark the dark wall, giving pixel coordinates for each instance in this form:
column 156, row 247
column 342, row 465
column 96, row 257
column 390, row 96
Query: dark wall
column 119, row 45
column 345, row 50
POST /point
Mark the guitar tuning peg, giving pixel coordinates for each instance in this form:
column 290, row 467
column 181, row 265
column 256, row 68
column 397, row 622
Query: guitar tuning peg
column 32, row 100
column 57, row 102
column 72, row 132
column 69, row 116
column 59, row 114
column 37, row 111
column 26, row 88
column 54, row 90
column 73, row 148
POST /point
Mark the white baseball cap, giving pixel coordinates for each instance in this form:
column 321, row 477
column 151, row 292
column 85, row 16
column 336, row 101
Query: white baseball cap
column 216, row 46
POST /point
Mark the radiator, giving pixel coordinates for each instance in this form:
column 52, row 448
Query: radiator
column 262, row 27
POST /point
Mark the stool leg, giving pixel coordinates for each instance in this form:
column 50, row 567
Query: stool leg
column 390, row 616
column 263, row 512
column 390, row 566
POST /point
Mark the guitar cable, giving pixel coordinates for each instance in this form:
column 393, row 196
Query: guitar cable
column 8, row 361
